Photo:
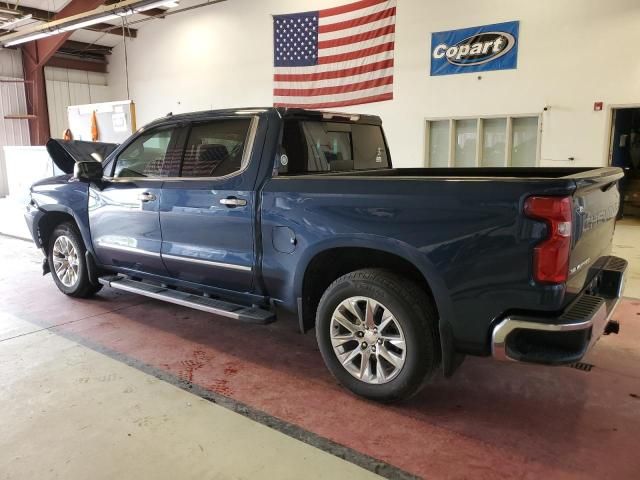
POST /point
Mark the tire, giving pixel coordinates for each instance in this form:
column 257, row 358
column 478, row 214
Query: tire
column 66, row 247
column 415, row 317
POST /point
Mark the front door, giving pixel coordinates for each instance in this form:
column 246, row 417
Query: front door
column 124, row 212
column 207, row 214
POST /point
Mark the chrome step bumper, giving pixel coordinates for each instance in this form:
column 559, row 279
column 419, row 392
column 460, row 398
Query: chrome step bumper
column 567, row 337
column 199, row 302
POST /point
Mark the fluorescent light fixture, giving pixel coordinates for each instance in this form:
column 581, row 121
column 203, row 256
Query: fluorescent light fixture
column 82, row 20
column 15, row 22
column 161, row 3
column 88, row 23
column 29, row 38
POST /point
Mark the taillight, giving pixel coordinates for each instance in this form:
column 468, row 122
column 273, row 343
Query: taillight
column 551, row 256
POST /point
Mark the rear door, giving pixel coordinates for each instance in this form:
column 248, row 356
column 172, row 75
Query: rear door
column 124, row 212
column 207, row 212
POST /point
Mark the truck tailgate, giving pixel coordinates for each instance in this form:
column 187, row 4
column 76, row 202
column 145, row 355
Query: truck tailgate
column 596, row 202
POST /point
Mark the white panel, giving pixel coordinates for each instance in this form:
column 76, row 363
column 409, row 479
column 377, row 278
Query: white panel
column 12, row 132
column 524, row 141
column 439, row 144
column 100, row 93
column 466, row 141
column 115, row 120
column 61, row 99
column 494, row 136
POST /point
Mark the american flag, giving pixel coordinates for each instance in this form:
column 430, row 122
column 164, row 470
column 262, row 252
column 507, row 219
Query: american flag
column 334, row 57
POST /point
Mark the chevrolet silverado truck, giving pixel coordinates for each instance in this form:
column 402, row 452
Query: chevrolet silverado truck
column 258, row 214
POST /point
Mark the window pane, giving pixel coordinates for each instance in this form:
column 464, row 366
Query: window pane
column 524, row 133
column 439, row 144
column 494, row 135
column 369, row 149
column 215, row 149
column 466, row 140
column 146, row 156
column 332, row 147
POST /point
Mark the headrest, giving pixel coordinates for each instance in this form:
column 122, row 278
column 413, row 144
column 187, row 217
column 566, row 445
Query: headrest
column 214, row 152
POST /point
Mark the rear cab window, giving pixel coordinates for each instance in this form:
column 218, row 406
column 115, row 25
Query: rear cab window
column 315, row 146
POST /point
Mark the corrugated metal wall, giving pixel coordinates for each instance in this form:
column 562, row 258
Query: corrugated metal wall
column 12, row 102
column 10, row 63
column 71, row 87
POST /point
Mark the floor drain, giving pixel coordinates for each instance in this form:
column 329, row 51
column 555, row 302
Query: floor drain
column 585, row 367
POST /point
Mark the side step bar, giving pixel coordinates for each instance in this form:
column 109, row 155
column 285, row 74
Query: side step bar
column 199, row 302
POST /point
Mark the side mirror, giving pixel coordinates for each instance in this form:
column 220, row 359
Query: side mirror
column 88, row 171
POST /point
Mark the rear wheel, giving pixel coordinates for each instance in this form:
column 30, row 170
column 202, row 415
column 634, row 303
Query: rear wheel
column 376, row 333
column 67, row 262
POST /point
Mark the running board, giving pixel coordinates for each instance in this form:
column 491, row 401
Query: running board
column 199, row 302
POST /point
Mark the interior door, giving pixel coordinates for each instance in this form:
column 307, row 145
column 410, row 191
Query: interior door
column 207, row 214
column 124, row 212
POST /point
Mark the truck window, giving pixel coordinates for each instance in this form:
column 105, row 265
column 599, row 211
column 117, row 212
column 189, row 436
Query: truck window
column 215, row 149
column 149, row 156
column 318, row 146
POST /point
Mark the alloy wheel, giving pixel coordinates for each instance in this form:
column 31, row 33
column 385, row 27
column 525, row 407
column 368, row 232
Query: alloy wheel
column 65, row 261
column 368, row 340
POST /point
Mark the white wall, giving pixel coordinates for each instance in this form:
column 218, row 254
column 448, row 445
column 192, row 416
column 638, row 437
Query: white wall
column 571, row 53
column 71, row 87
column 12, row 102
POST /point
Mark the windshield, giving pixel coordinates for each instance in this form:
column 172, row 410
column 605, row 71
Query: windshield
column 313, row 147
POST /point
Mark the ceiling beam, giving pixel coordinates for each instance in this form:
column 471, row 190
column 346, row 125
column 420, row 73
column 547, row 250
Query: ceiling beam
column 49, row 45
column 113, row 30
column 35, row 56
column 47, row 16
column 73, row 46
column 154, row 12
column 64, row 61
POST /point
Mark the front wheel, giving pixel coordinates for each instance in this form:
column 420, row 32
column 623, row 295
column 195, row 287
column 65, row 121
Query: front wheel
column 377, row 334
column 67, row 262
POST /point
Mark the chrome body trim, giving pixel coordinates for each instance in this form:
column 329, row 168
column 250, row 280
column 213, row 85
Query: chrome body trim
column 146, row 197
column 125, row 248
column 230, row 266
column 511, row 323
column 233, row 202
column 606, row 293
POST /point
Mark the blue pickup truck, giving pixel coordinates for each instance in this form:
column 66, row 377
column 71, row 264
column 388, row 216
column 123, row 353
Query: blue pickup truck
column 258, row 214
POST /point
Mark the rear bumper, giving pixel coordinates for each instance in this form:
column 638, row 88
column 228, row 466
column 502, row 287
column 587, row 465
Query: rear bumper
column 567, row 337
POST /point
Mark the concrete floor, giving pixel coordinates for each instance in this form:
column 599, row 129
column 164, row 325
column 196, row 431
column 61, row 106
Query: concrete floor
column 125, row 387
column 626, row 244
column 72, row 413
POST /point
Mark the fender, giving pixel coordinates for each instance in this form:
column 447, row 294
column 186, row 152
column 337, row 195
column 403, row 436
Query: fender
column 388, row 245
column 58, row 198
column 450, row 359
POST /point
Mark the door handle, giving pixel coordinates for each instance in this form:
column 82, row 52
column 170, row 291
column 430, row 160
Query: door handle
column 146, row 197
column 233, row 202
